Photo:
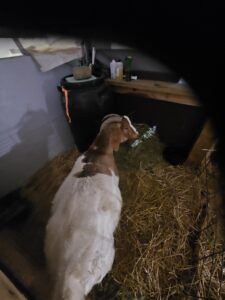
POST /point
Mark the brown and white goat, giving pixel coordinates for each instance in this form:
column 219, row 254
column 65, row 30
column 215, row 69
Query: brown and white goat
column 79, row 242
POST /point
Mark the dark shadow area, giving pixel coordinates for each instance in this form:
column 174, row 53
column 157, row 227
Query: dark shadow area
column 142, row 66
column 177, row 125
column 14, row 209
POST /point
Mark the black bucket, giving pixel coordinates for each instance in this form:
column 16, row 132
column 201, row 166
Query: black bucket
column 88, row 102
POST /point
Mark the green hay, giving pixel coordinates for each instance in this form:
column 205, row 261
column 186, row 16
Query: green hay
column 146, row 154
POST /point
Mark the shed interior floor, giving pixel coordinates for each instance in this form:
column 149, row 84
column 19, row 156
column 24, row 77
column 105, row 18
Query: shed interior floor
column 21, row 243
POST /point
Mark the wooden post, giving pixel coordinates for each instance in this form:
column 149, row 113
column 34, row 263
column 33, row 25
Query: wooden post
column 204, row 142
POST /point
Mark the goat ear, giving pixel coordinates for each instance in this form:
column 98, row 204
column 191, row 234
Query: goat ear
column 123, row 120
column 124, row 128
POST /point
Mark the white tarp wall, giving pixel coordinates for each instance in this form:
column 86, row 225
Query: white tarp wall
column 33, row 128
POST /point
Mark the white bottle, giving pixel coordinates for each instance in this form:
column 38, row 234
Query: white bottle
column 113, row 69
column 119, row 70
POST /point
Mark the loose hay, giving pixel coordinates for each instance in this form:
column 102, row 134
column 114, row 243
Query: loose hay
column 159, row 239
column 208, row 281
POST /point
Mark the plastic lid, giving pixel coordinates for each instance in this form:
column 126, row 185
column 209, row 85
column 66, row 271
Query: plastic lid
column 78, row 84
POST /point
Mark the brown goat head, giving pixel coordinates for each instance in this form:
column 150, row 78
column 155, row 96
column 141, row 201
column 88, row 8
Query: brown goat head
column 116, row 129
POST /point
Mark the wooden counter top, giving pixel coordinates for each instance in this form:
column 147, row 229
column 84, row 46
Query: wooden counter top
column 159, row 90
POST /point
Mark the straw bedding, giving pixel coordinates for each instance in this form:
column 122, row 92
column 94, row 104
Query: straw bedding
column 159, row 239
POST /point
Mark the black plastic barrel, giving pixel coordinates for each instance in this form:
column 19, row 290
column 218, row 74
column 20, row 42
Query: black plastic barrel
column 88, row 103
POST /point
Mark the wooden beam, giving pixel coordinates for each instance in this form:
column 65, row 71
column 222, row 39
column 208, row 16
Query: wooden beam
column 203, row 145
column 8, row 291
column 32, row 276
column 159, row 90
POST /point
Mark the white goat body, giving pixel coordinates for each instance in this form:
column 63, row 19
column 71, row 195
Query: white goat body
column 79, row 244
column 79, row 240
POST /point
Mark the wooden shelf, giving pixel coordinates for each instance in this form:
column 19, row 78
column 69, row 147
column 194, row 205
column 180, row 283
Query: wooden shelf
column 159, row 90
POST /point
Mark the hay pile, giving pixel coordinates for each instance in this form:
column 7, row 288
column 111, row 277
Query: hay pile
column 158, row 238
column 208, row 281
column 161, row 204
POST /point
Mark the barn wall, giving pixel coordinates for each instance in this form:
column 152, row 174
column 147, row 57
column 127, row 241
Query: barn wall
column 33, row 128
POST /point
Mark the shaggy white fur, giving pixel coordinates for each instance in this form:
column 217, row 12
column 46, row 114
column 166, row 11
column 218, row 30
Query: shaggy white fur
column 79, row 243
